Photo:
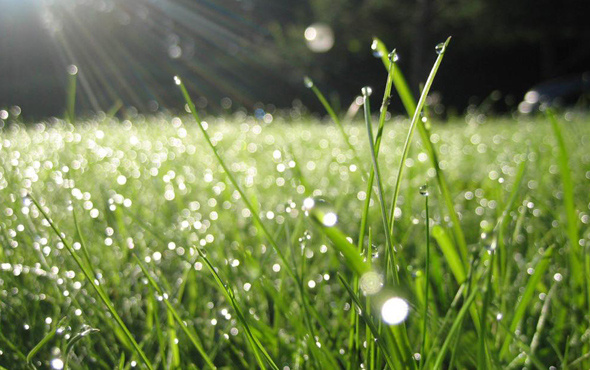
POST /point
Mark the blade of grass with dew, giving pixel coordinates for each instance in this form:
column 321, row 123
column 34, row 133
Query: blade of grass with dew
column 415, row 119
column 529, row 291
column 382, row 116
column 369, row 190
column 194, row 340
column 310, row 85
column 75, row 339
column 229, row 295
column 542, row 320
column 409, row 103
column 340, row 241
column 48, row 337
column 424, row 192
column 71, row 94
column 233, row 180
column 230, row 175
column 89, row 276
column 405, row 94
column 391, row 268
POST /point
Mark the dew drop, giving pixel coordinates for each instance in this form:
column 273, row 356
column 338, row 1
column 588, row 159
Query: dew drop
column 72, row 70
column 440, row 48
column 177, row 80
column 57, row 364
column 308, row 82
column 371, row 283
column 320, row 210
column 366, row 91
column 375, row 47
column 424, row 190
column 395, row 310
column 393, row 56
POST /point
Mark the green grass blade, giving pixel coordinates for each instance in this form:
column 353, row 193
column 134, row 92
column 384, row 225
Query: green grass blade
column 254, row 342
column 340, row 241
column 194, row 340
column 528, row 294
column 398, row 79
column 409, row 103
column 456, row 325
column 424, row 192
column 48, row 337
column 309, row 84
column 122, row 361
column 89, row 276
column 450, row 253
column 231, row 177
column 75, row 339
column 391, row 252
column 366, row 316
column 382, row 116
column 413, row 124
column 71, row 94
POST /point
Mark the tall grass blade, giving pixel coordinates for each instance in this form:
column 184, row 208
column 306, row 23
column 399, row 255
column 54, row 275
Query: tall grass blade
column 231, row 177
column 382, row 116
column 257, row 347
column 71, row 94
column 311, row 85
column 409, row 103
column 391, row 267
column 413, row 124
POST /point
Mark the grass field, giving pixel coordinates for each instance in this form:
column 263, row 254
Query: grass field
column 168, row 253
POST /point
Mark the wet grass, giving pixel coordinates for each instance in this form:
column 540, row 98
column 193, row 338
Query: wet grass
column 151, row 190
column 289, row 243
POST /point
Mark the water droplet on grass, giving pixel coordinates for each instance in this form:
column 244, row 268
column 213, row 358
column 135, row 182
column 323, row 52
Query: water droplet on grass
column 366, row 91
column 393, row 56
column 440, row 48
column 371, row 283
column 321, row 211
column 177, row 80
column 308, row 82
column 57, row 364
column 375, row 47
column 424, row 190
column 395, row 310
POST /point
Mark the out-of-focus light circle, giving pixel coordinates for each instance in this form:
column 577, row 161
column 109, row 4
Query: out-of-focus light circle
column 72, row 70
column 371, row 283
column 394, row 311
column 319, row 37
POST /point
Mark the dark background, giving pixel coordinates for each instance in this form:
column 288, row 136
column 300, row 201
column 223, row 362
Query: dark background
column 254, row 51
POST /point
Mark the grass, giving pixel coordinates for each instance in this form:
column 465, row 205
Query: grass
column 172, row 242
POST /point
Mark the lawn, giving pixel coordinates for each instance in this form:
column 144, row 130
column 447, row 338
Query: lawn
column 147, row 255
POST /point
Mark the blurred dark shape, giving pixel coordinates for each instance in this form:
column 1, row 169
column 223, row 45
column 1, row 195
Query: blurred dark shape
column 253, row 51
column 566, row 91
